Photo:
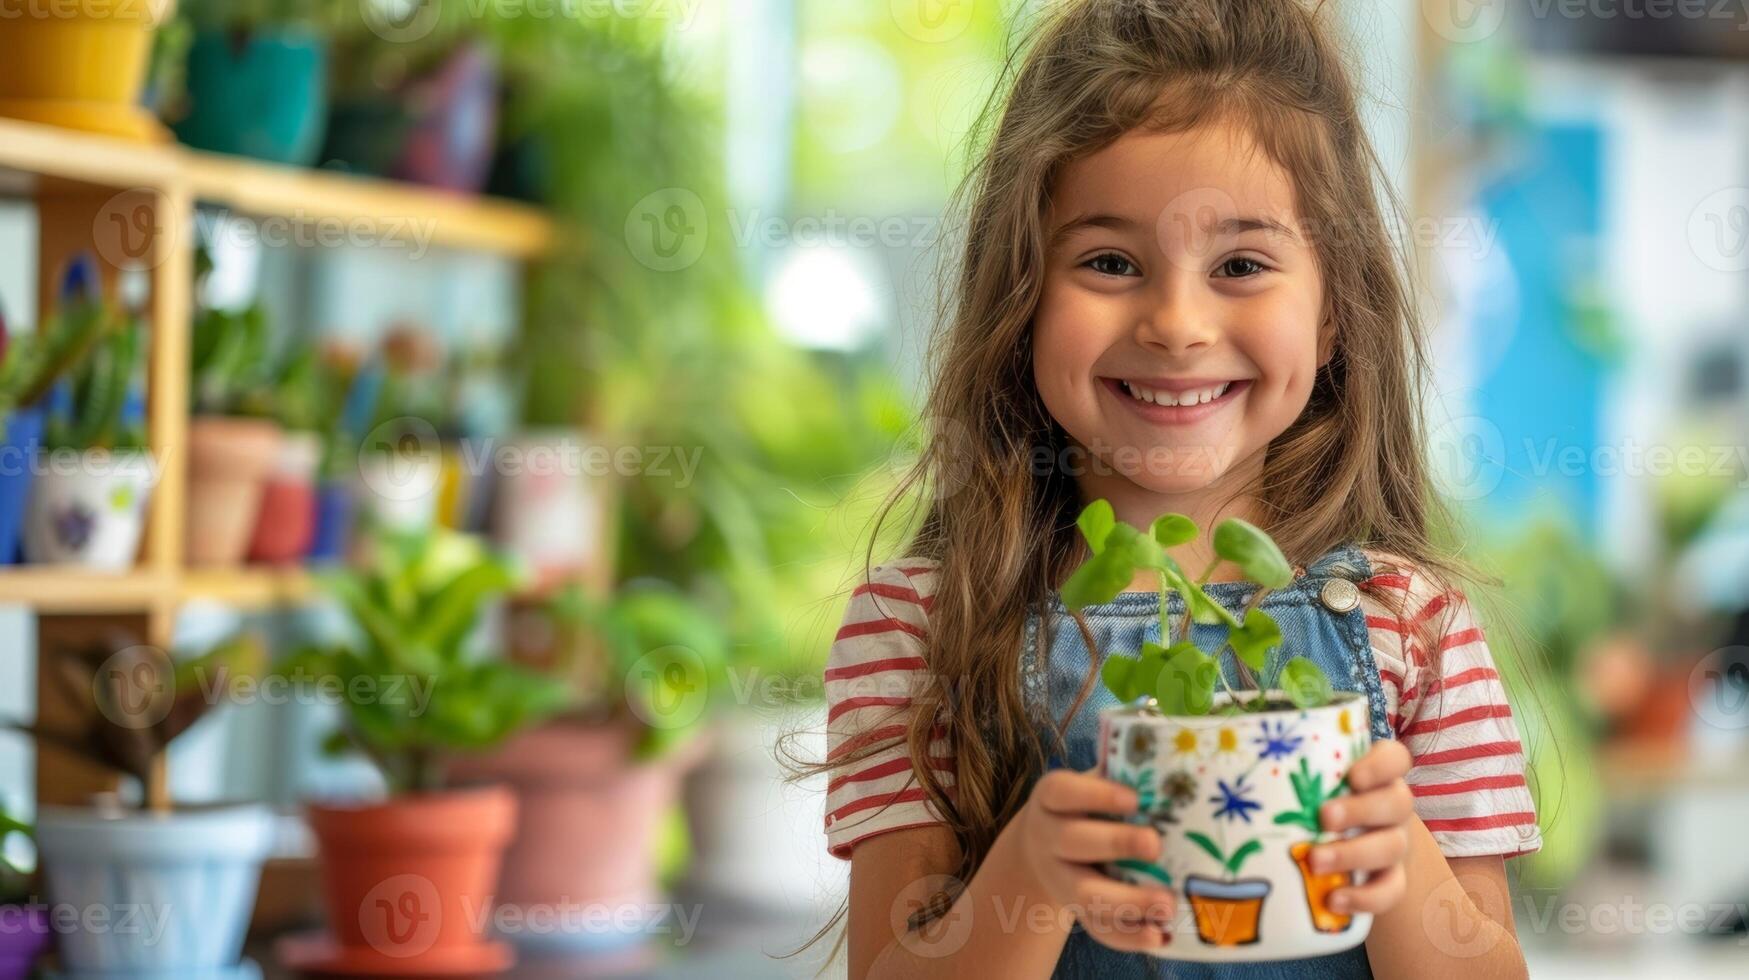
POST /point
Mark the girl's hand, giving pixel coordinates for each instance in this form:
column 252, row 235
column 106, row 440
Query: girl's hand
column 1380, row 803
column 1061, row 840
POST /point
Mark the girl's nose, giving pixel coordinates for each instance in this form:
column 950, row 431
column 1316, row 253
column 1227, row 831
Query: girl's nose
column 1174, row 323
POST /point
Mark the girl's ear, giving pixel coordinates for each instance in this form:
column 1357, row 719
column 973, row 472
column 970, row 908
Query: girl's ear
column 1326, row 341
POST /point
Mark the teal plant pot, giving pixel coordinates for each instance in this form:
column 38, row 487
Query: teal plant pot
column 262, row 95
column 183, row 882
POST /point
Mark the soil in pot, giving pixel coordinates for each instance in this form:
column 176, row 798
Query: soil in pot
column 408, row 883
column 229, row 459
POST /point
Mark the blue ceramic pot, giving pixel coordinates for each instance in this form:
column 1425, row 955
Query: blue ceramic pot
column 261, row 95
column 184, row 880
column 333, row 521
column 18, row 448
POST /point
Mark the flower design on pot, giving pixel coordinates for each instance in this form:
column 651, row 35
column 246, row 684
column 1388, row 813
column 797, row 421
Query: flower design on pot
column 1178, row 787
column 1233, row 803
column 1310, row 793
column 1138, row 745
column 1277, row 742
column 73, row 526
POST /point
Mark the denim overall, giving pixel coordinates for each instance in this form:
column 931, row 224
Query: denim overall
column 1319, row 621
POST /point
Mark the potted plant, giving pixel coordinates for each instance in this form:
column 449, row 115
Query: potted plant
column 24, row 925
column 597, row 786
column 197, row 864
column 1213, row 763
column 88, row 502
column 256, row 77
column 400, row 455
column 80, row 64
column 29, row 367
column 304, row 399
column 406, row 880
column 229, row 453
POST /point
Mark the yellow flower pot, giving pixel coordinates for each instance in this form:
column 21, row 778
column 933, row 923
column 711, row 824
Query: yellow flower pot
column 80, row 63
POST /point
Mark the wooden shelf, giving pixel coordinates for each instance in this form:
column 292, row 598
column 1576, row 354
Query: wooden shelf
column 31, row 154
column 53, row 589
column 246, row 587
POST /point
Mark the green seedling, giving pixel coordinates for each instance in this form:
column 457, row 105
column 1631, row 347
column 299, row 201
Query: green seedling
column 1176, row 672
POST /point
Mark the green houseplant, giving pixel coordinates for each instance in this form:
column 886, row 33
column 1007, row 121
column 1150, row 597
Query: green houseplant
column 88, row 502
column 24, row 930
column 29, row 367
column 229, row 453
column 136, row 701
column 1211, row 757
column 418, row 692
column 597, row 785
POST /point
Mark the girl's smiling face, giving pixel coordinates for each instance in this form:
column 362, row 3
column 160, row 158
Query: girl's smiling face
column 1178, row 331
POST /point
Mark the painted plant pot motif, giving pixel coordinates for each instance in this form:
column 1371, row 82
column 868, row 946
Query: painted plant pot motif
column 1235, row 796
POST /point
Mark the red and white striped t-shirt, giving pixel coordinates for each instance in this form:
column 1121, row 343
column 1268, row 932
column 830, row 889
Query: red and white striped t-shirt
column 1449, row 710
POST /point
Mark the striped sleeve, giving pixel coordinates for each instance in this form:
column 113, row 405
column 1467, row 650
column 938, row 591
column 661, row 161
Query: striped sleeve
column 874, row 669
column 1449, row 709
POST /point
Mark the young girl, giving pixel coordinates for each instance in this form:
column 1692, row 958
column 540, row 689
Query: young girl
column 1177, row 294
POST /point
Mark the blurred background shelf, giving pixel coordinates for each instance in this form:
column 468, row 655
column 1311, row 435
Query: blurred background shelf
column 32, row 154
column 48, row 589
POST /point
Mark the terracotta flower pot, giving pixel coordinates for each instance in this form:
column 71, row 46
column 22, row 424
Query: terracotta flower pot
column 80, row 64
column 1235, row 799
column 409, row 884
column 287, row 519
column 587, row 822
column 228, row 462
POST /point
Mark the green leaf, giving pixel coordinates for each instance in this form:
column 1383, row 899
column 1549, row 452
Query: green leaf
column 1186, row 685
column 1118, row 673
column 1202, row 608
column 1096, row 521
column 1305, row 685
column 1297, row 818
column 1172, row 530
column 1245, row 850
column 1202, row 840
column 1143, row 867
column 1102, row 576
column 1255, row 553
column 1253, row 640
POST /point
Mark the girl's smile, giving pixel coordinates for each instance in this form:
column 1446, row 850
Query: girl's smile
column 1169, row 401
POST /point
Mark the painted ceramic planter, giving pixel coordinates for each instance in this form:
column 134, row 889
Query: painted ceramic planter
column 89, row 510
column 24, row 934
column 187, row 879
column 18, row 448
column 262, row 94
column 1235, row 798
column 286, row 521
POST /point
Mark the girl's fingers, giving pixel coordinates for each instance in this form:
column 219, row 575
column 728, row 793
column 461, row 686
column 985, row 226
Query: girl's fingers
column 1064, row 791
column 1388, row 806
column 1384, row 763
column 1380, row 894
column 1093, row 841
column 1375, row 851
column 1123, row 916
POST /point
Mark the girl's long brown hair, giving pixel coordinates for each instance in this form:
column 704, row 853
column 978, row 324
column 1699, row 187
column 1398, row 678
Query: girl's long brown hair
column 1351, row 469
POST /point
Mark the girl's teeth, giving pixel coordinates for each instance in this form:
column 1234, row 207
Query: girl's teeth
column 1196, row 397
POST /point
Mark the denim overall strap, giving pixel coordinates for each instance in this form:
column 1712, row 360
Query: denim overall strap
column 1323, row 622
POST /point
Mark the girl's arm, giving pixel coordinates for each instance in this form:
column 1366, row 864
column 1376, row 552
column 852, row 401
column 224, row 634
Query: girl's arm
column 1455, row 919
column 1013, row 916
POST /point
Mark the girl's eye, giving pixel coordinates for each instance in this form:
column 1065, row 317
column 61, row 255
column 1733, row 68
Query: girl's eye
column 1110, row 264
column 1239, row 267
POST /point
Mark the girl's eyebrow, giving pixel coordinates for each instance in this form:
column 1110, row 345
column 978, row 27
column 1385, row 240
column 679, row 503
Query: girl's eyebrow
column 1227, row 226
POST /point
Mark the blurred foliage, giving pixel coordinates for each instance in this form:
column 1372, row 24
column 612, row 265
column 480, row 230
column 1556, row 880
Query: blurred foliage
column 1555, row 601
column 418, row 689
column 14, row 880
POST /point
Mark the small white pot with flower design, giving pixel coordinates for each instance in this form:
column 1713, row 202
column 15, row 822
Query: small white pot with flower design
column 89, row 508
column 1234, row 796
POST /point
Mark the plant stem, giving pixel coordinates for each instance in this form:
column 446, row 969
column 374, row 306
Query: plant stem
column 1208, row 572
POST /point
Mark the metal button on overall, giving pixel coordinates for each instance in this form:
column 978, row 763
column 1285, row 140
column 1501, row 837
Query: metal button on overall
column 1339, row 595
